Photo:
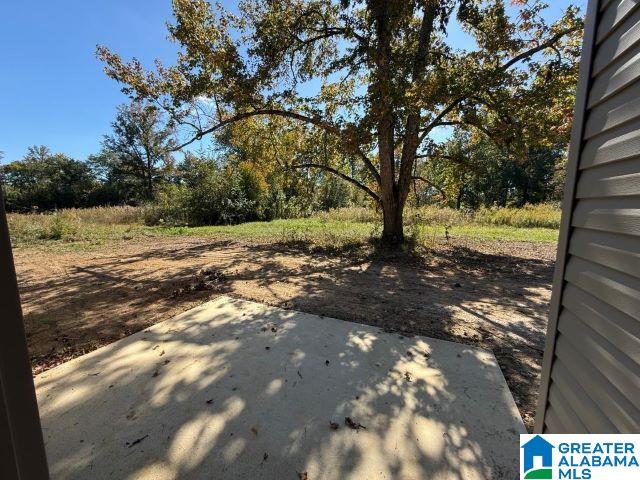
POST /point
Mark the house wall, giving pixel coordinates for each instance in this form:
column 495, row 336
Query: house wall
column 591, row 369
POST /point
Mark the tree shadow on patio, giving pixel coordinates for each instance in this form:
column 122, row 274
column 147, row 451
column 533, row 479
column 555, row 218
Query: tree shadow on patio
column 201, row 396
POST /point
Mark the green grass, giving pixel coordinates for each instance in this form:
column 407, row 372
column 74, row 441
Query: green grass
column 79, row 230
column 310, row 228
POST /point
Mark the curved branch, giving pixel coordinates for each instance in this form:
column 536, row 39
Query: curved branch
column 345, row 177
column 532, row 51
column 432, row 185
column 259, row 112
column 287, row 114
column 443, row 113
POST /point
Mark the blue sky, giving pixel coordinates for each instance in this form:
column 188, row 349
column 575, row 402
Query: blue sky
column 52, row 88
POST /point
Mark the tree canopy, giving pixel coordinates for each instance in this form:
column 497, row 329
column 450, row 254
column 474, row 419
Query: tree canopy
column 378, row 76
column 140, row 146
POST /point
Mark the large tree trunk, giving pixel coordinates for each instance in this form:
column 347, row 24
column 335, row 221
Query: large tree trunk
column 393, row 232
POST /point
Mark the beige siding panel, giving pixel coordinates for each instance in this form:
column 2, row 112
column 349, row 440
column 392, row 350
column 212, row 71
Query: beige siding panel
column 565, row 418
column 619, row 290
column 613, row 16
column 617, row 409
column 619, row 179
column 581, row 403
column 614, row 79
column 618, row 110
column 605, row 3
column 618, row 328
column 600, row 355
column 619, row 215
column 622, row 413
column 591, row 368
column 622, row 40
column 552, row 421
column 620, row 252
column 620, row 143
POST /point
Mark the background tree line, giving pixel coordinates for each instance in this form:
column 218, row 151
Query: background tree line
column 255, row 173
column 247, row 176
column 388, row 79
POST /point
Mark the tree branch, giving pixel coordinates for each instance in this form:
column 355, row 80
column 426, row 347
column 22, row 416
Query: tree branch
column 459, row 122
column 287, row 114
column 532, row 51
column 443, row 113
column 431, row 184
column 345, row 177
column 518, row 58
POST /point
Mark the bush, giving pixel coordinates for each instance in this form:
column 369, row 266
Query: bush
column 209, row 196
column 435, row 215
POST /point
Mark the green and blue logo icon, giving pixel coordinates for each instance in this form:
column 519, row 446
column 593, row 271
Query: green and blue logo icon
column 537, row 449
column 580, row 457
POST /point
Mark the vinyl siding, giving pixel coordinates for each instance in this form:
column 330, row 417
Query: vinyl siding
column 591, row 372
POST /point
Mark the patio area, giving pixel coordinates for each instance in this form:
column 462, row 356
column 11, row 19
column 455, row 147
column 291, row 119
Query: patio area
column 239, row 390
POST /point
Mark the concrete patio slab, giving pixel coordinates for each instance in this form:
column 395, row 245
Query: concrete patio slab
column 238, row 390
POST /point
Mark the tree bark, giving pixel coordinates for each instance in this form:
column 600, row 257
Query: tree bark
column 393, row 231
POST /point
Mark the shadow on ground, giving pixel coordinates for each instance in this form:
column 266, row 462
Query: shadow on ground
column 237, row 390
column 492, row 299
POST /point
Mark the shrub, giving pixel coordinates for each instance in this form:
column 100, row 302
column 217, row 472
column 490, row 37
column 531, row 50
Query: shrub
column 209, row 196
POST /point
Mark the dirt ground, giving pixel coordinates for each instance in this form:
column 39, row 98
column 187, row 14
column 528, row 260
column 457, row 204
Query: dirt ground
column 493, row 295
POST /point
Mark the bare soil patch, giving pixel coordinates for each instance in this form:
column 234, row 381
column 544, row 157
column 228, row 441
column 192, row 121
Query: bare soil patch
column 492, row 295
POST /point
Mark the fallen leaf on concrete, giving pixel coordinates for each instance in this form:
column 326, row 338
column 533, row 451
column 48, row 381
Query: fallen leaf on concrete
column 303, row 476
column 349, row 422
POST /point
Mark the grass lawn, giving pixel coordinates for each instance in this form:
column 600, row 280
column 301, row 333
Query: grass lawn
column 321, row 232
column 309, row 228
